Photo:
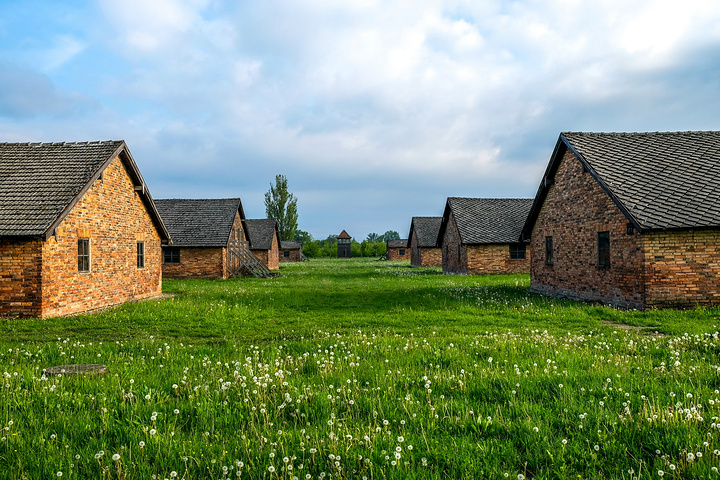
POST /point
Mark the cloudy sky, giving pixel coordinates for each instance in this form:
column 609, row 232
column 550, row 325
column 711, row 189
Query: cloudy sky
column 375, row 111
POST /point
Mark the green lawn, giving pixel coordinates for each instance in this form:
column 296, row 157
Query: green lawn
column 358, row 368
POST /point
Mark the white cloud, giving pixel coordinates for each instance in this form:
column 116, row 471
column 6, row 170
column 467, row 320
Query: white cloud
column 457, row 96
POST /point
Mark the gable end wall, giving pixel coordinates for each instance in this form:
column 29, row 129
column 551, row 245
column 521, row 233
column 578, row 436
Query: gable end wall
column 451, row 262
column 575, row 210
column 114, row 218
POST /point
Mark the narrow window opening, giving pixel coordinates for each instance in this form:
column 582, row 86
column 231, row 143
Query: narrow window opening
column 630, row 229
column 83, row 255
column 604, row 249
column 140, row 254
column 549, row 255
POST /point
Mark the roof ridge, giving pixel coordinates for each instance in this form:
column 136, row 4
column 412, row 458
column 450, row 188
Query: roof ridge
column 41, row 144
column 657, row 132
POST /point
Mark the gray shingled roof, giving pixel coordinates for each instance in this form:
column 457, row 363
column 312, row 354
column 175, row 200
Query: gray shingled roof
column 285, row 245
column 38, row 181
column 199, row 222
column 397, row 243
column 663, row 180
column 426, row 229
column 261, row 231
column 488, row 220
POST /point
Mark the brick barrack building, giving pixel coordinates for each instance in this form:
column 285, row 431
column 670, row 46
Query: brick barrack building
column 629, row 219
column 208, row 235
column 265, row 241
column 397, row 249
column 482, row 235
column 423, row 242
column 290, row 251
column 78, row 229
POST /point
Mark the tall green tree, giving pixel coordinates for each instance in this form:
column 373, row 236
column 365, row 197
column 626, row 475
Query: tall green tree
column 303, row 237
column 390, row 235
column 281, row 205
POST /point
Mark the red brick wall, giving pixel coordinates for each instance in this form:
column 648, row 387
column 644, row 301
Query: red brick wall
column 294, row 255
column 415, row 252
column 274, row 254
column 394, row 253
column 271, row 258
column 205, row 262
column 682, row 268
column 198, row 263
column 484, row 259
column 454, row 255
column 424, row 257
column 112, row 215
column 575, row 210
column 20, row 270
column 430, row 257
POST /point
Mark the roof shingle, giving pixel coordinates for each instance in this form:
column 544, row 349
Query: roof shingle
column 397, row 243
column 261, row 231
column 426, row 229
column 489, row 220
column 199, row 222
column 38, row 181
column 664, row 180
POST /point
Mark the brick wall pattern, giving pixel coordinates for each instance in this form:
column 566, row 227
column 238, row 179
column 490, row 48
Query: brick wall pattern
column 461, row 259
column 394, row 253
column 424, row 257
column 44, row 275
column 204, row 262
column 653, row 269
column 271, row 258
column 294, row 255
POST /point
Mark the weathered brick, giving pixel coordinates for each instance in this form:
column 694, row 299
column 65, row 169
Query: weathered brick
column 652, row 269
column 113, row 216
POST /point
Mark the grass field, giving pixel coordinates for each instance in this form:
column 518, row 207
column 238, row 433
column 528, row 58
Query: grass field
column 362, row 369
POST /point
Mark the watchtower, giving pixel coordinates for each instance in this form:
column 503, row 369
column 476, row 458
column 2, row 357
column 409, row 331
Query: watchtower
column 344, row 240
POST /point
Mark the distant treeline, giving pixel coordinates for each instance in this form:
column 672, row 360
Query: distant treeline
column 373, row 246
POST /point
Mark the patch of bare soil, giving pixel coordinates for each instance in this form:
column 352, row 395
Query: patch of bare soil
column 625, row 326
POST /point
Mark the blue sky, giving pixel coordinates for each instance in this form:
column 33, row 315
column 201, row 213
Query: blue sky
column 375, row 111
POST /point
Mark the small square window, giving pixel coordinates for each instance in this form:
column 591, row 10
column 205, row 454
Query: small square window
column 401, row 252
column 83, row 255
column 517, row 251
column 286, row 254
column 171, row 255
column 630, row 229
column 140, row 254
column 549, row 254
column 604, row 249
